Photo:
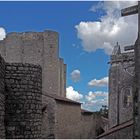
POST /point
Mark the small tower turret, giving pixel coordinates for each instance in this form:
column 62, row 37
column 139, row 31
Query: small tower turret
column 116, row 49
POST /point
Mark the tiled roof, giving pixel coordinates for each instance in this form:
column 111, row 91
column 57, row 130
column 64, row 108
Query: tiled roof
column 116, row 128
column 60, row 98
column 86, row 111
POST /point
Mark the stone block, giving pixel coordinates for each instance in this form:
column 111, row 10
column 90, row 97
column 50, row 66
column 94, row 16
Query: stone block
column 21, row 101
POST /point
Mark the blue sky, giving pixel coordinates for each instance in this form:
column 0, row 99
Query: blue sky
column 85, row 47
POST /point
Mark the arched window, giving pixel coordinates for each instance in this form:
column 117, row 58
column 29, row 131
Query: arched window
column 127, row 97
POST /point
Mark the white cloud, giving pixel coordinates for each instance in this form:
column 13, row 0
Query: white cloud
column 75, row 75
column 2, row 33
column 96, row 103
column 92, row 95
column 92, row 101
column 97, row 7
column 73, row 94
column 98, row 83
column 110, row 29
column 95, row 100
column 99, row 102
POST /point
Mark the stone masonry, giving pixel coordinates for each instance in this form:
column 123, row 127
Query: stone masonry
column 121, row 83
column 20, row 100
column 48, row 117
column 124, row 131
column 39, row 48
column 2, row 98
column 23, row 101
column 121, row 78
column 63, row 119
column 33, row 103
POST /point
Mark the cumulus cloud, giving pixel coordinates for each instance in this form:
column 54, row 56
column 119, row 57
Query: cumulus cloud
column 110, row 28
column 73, row 94
column 97, row 7
column 92, row 101
column 95, row 100
column 98, row 83
column 96, row 103
column 92, row 95
column 75, row 75
column 2, row 33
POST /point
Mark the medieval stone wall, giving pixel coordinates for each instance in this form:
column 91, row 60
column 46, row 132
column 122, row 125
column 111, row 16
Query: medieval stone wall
column 88, row 122
column 113, row 95
column 121, row 78
column 39, row 48
column 63, row 119
column 28, row 113
column 48, row 117
column 2, row 98
column 23, row 101
column 126, row 92
column 51, row 66
column 125, row 133
column 62, row 78
column 65, row 78
column 68, row 120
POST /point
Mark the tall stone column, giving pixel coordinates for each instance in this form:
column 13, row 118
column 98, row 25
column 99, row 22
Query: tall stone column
column 136, row 89
column 2, row 98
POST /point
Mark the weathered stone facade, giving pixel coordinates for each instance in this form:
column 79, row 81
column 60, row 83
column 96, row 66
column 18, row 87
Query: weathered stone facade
column 137, row 86
column 33, row 101
column 121, row 78
column 121, row 85
column 2, row 98
column 20, row 100
column 62, row 78
column 70, row 125
column 63, row 119
column 90, row 121
column 39, row 48
column 23, row 100
column 48, row 117
column 123, row 131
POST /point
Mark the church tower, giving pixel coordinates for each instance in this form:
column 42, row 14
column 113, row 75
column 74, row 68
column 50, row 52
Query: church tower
column 121, row 77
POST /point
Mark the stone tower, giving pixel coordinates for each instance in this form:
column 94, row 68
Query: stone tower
column 20, row 100
column 39, row 48
column 2, row 98
column 121, row 77
column 23, row 101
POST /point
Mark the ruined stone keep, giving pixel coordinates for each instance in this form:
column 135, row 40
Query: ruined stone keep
column 33, row 101
column 21, row 97
column 39, row 48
